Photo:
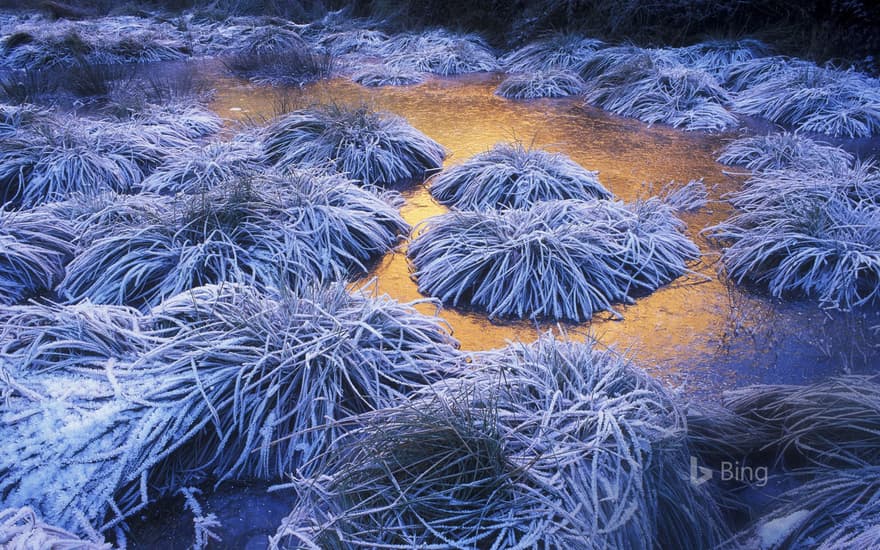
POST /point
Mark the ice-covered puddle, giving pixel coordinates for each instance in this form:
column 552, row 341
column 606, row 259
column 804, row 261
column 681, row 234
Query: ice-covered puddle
column 701, row 330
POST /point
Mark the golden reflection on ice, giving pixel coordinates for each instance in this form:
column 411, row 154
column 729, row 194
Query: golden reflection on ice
column 694, row 315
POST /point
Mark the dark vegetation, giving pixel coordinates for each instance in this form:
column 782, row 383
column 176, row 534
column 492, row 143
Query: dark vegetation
column 816, row 29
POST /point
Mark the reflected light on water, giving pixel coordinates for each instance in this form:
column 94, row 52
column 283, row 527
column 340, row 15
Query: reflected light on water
column 698, row 329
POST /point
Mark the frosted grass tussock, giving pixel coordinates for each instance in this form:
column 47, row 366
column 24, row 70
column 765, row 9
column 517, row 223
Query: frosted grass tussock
column 201, row 167
column 37, row 339
column 46, row 46
column 813, row 233
column 373, row 147
column 689, row 197
column 34, row 248
column 816, row 99
column 550, row 445
column 282, row 230
column 716, row 56
column 352, row 41
column 14, row 118
column 269, row 39
column 745, row 74
column 383, row 74
column 279, row 373
column 556, row 260
column 187, row 118
column 550, row 83
column 785, row 150
column 619, row 62
column 834, row 510
column 276, row 56
column 657, row 91
column 512, row 175
column 440, row 52
column 557, row 51
column 51, row 162
column 89, row 443
column 830, row 424
column 21, row 529
column 106, row 40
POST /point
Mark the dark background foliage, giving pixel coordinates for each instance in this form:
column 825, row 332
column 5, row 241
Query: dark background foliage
column 842, row 30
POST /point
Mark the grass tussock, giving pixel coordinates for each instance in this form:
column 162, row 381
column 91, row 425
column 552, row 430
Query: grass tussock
column 362, row 41
column 783, row 151
column 50, row 162
column 718, row 56
column 548, row 83
column 278, row 56
column 48, row 157
column 42, row 339
column 439, row 52
column 375, row 148
column 833, row 510
column 231, row 393
column 382, row 74
column 813, row 99
column 20, row 529
column 558, row 51
column 550, row 445
column 202, row 167
column 515, row 176
column 283, row 231
column 283, row 371
column 807, row 232
column 652, row 90
column 829, row 424
column 556, row 260
column 34, row 248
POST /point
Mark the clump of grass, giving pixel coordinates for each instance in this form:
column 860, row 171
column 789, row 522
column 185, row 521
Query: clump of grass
column 549, row 83
column 20, row 528
column 375, row 148
column 15, row 118
column 815, row 99
column 188, row 119
column 26, row 85
column 280, row 372
column 556, row 260
column 282, row 231
column 833, row 510
column 551, row 445
column 34, row 248
column 557, row 51
column 439, row 52
column 295, row 64
column 56, row 46
column 830, row 424
column 716, row 56
column 652, row 90
column 270, row 39
column 619, row 63
column 45, row 338
column 514, row 176
column 50, row 162
column 810, row 232
column 352, row 41
column 745, row 74
column 385, row 75
column 783, row 151
column 226, row 395
column 202, row 167
column 96, row 80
